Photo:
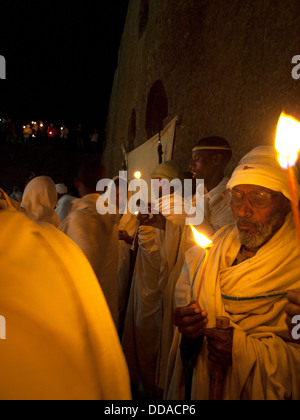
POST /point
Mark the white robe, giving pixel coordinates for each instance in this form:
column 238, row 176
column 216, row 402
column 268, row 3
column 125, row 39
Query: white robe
column 155, row 259
column 97, row 236
column 216, row 215
column 61, row 342
column 252, row 294
column 129, row 223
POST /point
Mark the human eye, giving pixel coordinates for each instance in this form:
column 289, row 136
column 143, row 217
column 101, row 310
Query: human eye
column 260, row 199
column 236, row 196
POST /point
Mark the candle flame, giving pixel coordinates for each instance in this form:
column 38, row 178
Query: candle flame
column 137, row 175
column 287, row 141
column 201, row 240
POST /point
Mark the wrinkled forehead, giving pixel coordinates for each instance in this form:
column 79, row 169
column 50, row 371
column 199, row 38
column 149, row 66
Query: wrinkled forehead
column 247, row 188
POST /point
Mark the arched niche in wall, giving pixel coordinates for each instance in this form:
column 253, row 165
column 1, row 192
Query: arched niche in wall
column 157, row 108
column 131, row 132
column 143, row 16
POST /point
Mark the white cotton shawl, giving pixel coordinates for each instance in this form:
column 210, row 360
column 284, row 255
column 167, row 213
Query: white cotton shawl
column 251, row 294
column 39, row 200
column 97, row 236
column 143, row 317
column 61, row 340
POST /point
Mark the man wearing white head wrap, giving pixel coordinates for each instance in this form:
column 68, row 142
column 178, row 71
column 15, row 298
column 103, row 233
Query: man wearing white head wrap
column 246, row 277
column 39, row 200
column 210, row 157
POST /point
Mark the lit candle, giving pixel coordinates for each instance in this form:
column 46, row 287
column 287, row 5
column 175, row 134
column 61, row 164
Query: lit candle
column 287, row 144
column 138, row 176
column 205, row 244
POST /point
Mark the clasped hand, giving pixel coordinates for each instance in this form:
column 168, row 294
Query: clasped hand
column 191, row 322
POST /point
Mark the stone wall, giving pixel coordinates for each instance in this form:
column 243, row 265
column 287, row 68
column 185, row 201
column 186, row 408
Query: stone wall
column 225, row 66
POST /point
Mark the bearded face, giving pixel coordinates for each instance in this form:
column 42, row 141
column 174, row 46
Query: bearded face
column 256, row 225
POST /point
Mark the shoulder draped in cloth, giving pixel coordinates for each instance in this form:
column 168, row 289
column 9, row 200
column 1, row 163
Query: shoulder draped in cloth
column 61, row 340
column 97, row 236
column 39, row 200
column 252, row 294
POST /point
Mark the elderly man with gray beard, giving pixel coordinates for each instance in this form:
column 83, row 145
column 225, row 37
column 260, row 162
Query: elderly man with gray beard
column 245, row 278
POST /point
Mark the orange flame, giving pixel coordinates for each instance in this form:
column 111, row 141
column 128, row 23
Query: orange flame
column 287, row 141
column 201, row 240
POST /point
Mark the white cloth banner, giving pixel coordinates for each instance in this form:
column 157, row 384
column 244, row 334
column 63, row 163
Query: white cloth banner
column 145, row 158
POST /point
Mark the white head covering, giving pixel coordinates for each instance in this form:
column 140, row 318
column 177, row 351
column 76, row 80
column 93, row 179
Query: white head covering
column 61, row 189
column 168, row 170
column 39, row 200
column 261, row 167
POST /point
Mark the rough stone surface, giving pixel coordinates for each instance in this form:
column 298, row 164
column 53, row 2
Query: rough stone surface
column 225, row 65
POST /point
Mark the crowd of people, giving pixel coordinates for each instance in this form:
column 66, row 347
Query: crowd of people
column 38, row 133
column 121, row 305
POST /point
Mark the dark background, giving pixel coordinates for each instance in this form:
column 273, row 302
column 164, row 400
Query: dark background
column 60, row 63
column 61, row 58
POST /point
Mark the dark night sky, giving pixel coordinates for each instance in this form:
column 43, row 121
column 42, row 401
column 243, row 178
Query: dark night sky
column 61, row 58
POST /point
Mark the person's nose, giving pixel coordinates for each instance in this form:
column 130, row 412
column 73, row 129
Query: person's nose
column 244, row 209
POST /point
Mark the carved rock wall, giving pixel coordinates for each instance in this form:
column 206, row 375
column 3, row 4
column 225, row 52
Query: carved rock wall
column 225, row 67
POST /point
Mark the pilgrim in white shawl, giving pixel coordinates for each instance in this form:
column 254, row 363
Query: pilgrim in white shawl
column 159, row 239
column 39, row 200
column 94, row 233
column 245, row 278
column 210, row 158
column 61, row 342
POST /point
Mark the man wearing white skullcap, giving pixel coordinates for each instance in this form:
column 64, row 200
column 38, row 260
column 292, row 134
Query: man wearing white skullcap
column 245, row 278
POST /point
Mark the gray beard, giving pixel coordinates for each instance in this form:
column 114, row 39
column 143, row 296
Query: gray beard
column 263, row 234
